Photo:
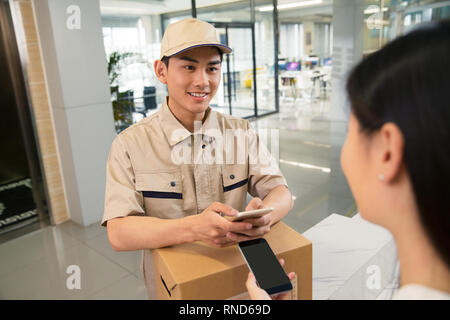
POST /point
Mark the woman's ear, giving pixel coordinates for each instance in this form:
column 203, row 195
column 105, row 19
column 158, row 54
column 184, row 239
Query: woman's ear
column 161, row 71
column 391, row 144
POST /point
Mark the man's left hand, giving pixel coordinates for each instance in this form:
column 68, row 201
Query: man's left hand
column 261, row 225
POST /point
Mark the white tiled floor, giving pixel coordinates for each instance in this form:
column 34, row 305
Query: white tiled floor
column 34, row 266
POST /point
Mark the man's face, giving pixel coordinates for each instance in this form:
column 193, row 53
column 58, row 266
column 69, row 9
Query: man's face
column 193, row 77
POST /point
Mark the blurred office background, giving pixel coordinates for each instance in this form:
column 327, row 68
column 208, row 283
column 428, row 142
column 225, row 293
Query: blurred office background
column 76, row 73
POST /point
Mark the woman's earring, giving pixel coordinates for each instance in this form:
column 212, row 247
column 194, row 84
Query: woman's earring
column 381, row 177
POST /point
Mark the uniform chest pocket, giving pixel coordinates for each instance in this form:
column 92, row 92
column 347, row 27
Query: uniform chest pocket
column 234, row 177
column 160, row 185
column 162, row 192
column 235, row 180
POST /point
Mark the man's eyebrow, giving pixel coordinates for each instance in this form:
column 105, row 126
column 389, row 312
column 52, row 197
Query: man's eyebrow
column 214, row 62
column 188, row 59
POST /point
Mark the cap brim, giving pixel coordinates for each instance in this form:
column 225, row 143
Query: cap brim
column 222, row 47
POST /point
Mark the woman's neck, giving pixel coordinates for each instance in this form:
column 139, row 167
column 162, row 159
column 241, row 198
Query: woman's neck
column 419, row 261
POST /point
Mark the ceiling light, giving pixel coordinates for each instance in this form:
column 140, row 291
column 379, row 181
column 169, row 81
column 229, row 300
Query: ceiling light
column 291, row 5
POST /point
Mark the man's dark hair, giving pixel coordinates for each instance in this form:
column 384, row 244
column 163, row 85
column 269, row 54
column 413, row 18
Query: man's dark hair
column 407, row 83
column 165, row 59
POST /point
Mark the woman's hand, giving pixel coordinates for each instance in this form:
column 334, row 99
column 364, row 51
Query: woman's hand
column 256, row 293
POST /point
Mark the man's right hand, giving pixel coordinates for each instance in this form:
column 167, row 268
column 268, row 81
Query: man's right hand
column 211, row 227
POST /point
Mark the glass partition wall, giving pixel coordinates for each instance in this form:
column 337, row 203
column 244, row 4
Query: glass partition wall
column 385, row 20
column 132, row 34
column 263, row 68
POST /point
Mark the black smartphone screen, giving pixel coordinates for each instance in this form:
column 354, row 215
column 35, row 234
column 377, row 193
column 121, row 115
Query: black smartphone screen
column 265, row 266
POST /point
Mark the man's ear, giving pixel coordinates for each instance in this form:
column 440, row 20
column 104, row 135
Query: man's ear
column 161, row 71
column 391, row 151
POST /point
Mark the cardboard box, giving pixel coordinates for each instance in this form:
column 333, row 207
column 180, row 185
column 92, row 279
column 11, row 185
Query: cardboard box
column 198, row 271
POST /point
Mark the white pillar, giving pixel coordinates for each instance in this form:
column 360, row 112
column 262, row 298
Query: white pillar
column 348, row 32
column 71, row 39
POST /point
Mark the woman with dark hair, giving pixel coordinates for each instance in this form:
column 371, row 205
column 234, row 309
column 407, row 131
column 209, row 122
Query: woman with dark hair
column 397, row 155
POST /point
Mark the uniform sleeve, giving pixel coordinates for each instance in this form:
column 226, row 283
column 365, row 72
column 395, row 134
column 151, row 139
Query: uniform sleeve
column 121, row 197
column 264, row 173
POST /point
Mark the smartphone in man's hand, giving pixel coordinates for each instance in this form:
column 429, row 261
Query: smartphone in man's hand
column 250, row 214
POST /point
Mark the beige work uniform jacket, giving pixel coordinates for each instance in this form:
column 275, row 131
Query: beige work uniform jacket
column 157, row 168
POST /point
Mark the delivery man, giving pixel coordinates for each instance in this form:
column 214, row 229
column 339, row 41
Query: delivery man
column 162, row 188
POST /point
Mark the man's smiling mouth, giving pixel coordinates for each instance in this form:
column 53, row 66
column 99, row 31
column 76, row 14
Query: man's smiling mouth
column 198, row 94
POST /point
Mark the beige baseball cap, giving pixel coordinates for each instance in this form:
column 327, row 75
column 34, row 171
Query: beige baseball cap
column 187, row 34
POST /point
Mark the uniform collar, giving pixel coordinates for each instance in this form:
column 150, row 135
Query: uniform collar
column 175, row 132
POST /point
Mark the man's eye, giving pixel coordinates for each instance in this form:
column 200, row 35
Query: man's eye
column 213, row 69
column 189, row 67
